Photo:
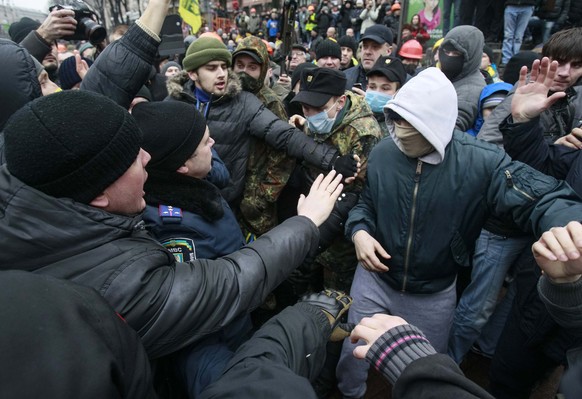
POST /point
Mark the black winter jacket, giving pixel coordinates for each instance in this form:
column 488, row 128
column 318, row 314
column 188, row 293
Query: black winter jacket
column 237, row 115
column 62, row 340
column 525, row 142
column 19, row 80
column 555, row 122
column 123, row 67
column 18, row 83
column 169, row 304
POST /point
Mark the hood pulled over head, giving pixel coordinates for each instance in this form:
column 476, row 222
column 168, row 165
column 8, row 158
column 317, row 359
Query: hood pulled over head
column 428, row 102
column 257, row 49
column 468, row 40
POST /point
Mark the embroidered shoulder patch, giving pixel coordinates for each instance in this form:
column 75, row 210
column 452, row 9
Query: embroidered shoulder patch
column 183, row 249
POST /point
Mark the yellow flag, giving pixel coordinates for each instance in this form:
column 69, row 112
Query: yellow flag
column 189, row 10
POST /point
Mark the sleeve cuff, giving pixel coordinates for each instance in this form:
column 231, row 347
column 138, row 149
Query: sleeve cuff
column 318, row 316
column 147, row 30
column 564, row 295
column 396, row 349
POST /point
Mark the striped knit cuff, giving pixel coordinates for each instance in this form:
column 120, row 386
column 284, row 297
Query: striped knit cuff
column 396, row 349
column 147, row 30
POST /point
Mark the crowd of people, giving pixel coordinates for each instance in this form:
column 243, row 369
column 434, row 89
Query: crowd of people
column 253, row 219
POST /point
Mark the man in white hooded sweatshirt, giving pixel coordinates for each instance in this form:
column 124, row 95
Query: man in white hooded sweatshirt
column 429, row 189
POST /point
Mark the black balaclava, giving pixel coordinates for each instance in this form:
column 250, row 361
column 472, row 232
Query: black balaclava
column 249, row 83
column 452, row 66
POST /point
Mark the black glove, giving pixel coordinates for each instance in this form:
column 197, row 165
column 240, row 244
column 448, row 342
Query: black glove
column 334, row 225
column 334, row 304
column 346, row 165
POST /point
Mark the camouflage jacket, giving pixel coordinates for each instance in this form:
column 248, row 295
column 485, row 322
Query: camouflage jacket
column 268, row 169
column 357, row 133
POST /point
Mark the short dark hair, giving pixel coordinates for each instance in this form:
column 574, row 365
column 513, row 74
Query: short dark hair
column 565, row 45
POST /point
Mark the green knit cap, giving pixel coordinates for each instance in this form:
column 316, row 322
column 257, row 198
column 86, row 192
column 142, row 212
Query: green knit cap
column 204, row 50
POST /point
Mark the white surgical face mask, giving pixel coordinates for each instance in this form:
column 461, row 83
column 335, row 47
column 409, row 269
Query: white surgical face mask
column 377, row 100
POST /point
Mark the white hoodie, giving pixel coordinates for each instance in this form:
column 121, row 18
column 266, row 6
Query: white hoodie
column 428, row 102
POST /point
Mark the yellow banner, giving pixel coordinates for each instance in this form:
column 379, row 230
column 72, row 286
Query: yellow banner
column 189, row 10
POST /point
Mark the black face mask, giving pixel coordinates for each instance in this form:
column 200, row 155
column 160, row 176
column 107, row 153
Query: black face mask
column 410, row 69
column 249, row 83
column 452, row 66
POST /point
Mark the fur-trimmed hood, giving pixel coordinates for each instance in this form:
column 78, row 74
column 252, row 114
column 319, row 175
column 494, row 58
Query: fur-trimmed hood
column 180, row 87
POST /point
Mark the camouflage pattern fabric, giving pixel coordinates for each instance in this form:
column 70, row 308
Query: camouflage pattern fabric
column 268, row 170
column 357, row 133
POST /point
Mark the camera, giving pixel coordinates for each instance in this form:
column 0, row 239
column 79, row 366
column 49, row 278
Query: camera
column 87, row 27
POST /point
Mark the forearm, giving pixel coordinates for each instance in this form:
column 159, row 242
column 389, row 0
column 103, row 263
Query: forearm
column 297, row 145
column 524, row 142
column 109, row 74
column 153, row 17
column 36, row 45
column 180, row 303
column 396, row 349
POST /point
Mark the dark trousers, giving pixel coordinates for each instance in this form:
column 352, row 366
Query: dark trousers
column 532, row 343
column 517, row 366
column 474, row 12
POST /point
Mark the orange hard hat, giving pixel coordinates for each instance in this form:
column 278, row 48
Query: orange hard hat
column 311, row 7
column 268, row 45
column 212, row 34
column 395, row 6
column 411, row 49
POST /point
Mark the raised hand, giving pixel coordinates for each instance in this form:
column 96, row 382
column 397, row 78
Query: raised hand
column 321, row 198
column 531, row 99
column 59, row 23
column 80, row 65
column 557, row 253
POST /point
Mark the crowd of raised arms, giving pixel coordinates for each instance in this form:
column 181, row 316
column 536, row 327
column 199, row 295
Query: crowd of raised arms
column 278, row 204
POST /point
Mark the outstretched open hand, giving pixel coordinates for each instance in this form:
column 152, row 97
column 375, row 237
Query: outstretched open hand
column 321, row 198
column 531, row 98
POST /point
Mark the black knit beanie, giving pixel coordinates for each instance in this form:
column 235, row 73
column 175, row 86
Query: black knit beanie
column 68, row 76
column 328, row 48
column 348, row 41
column 171, row 130
column 489, row 51
column 19, row 30
column 71, row 144
column 523, row 58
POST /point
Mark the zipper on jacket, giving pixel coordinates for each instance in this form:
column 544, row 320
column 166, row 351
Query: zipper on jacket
column 411, row 229
column 509, row 180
